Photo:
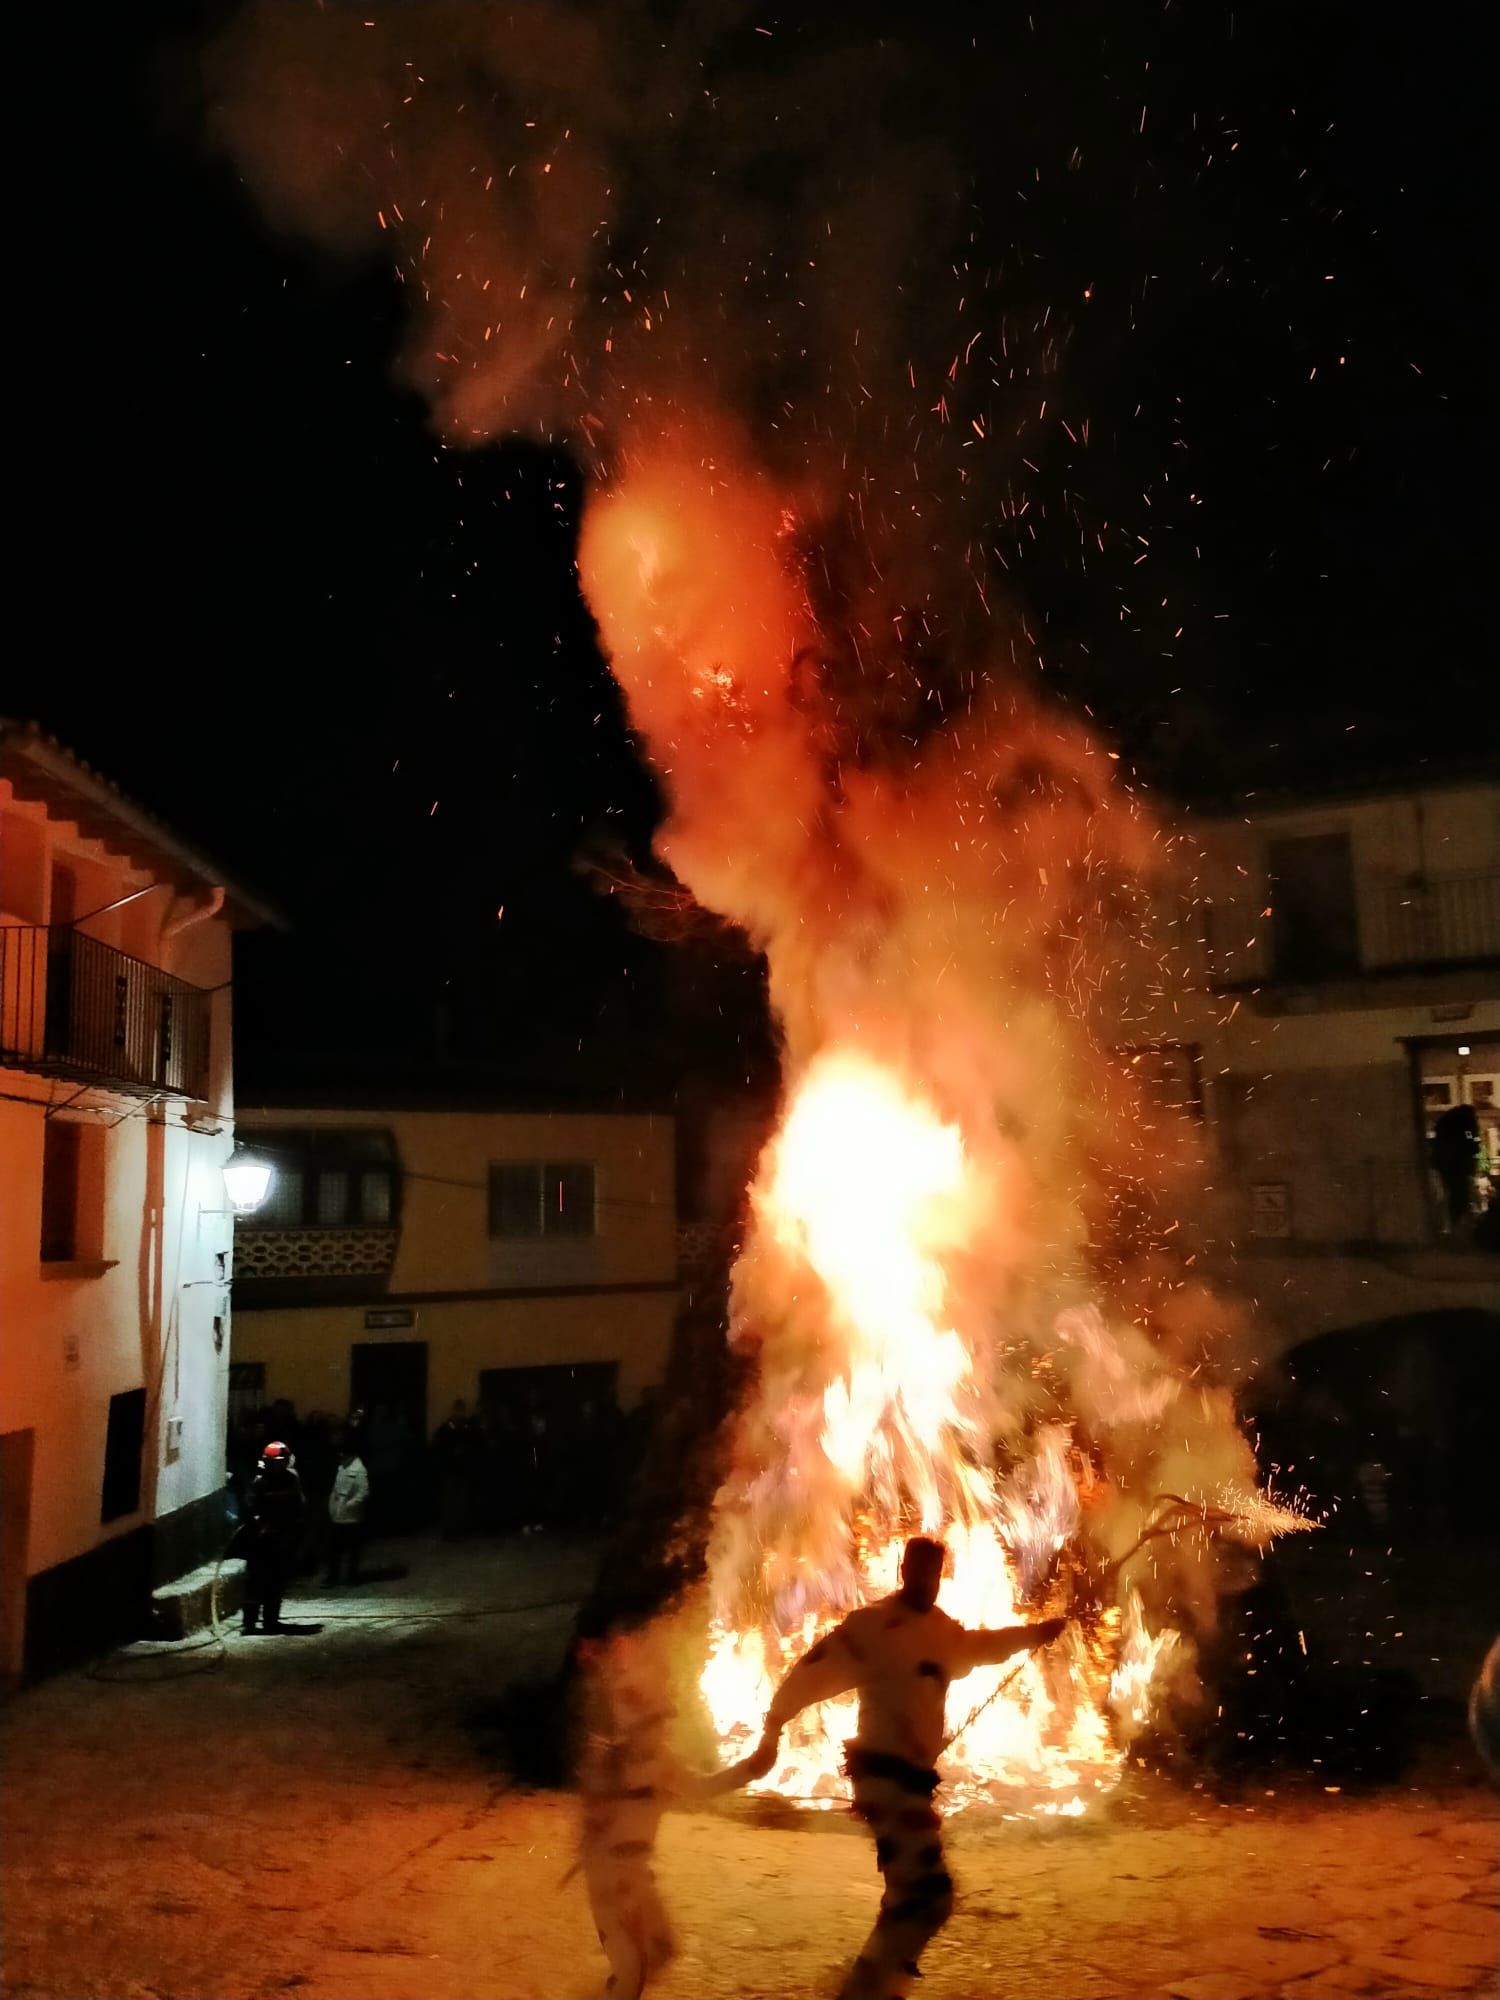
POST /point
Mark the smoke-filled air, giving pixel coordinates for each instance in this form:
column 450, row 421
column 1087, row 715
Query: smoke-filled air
column 724, row 269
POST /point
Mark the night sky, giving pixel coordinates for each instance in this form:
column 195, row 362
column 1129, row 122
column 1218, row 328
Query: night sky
column 352, row 663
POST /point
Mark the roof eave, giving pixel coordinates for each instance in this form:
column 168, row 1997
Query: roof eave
column 42, row 771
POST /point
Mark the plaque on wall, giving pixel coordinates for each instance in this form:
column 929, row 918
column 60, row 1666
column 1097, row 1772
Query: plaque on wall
column 1270, row 1208
column 389, row 1316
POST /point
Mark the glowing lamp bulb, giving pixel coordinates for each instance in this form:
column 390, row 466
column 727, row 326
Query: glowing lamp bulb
column 247, row 1181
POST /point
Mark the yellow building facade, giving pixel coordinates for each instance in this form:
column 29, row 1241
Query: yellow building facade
column 417, row 1256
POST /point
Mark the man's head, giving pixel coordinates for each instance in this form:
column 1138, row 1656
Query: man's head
column 922, row 1571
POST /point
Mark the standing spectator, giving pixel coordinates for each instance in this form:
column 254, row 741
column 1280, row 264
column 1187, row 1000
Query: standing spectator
column 247, row 1440
column 317, row 1462
column 283, row 1423
column 271, row 1533
column 346, row 1514
column 489, row 1471
column 387, row 1459
column 590, row 1493
column 455, row 1448
column 536, row 1470
column 1484, row 1711
column 507, row 1468
column 608, row 1452
column 1455, row 1156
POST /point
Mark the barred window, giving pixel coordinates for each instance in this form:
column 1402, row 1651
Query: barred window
column 1168, row 1075
column 535, row 1199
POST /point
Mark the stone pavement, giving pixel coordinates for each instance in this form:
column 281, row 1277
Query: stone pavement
column 310, row 1819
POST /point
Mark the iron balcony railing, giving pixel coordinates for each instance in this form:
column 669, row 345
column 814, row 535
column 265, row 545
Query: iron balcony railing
column 1446, row 920
column 71, row 1006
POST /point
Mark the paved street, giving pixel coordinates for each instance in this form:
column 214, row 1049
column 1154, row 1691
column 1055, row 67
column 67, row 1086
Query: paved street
column 310, row 1816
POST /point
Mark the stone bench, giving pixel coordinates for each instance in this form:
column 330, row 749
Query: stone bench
column 184, row 1605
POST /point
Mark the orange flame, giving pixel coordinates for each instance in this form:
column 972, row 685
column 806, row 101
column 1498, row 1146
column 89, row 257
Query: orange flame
column 867, row 1187
column 915, row 1278
column 870, row 1193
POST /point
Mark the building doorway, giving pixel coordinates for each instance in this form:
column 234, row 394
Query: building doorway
column 559, row 1432
column 17, row 1450
column 390, row 1374
column 388, row 1381
column 1458, row 1085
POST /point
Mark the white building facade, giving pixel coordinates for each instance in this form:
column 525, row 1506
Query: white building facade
column 1340, row 993
column 116, row 1119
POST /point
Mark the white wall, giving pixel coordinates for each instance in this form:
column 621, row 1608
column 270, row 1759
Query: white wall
column 1311, row 1086
column 141, row 1316
column 139, row 1308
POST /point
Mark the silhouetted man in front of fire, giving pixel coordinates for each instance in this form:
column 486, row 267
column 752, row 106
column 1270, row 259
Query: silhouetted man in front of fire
column 900, row 1654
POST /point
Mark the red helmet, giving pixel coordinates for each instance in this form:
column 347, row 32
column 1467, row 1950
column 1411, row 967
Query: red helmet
column 276, row 1455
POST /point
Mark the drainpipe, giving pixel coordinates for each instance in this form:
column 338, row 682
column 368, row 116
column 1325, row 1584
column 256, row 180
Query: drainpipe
column 195, row 913
column 184, row 920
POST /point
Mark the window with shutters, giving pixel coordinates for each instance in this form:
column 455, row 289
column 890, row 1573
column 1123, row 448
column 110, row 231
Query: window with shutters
column 533, row 1200
column 62, row 1155
column 1168, row 1074
column 327, row 1179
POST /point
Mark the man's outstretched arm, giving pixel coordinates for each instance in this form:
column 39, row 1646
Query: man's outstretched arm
column 825, row 1670
column 989, row 1647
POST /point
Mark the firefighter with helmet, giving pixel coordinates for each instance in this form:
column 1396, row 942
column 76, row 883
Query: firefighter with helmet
column 273, row 1528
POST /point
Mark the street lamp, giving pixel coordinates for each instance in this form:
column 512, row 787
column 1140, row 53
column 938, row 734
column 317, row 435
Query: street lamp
column 247, row 1180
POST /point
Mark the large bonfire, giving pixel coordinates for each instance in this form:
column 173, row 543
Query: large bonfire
column 944, row 1343
column 742, row 279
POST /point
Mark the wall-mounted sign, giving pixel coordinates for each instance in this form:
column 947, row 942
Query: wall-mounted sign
column 1270, row 1208
column 388, row 1316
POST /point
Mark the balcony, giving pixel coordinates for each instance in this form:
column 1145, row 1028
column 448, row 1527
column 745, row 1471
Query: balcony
column 278, row 1266
column 1443, row 922
column 1446, row 920
column 75, row 1008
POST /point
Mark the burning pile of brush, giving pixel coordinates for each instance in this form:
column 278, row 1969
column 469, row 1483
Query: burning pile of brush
column 890, row 1420
column 798, row 423
column 956, row 1280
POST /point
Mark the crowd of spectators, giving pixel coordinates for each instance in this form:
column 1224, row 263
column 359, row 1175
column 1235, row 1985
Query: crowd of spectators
column 486, row 1471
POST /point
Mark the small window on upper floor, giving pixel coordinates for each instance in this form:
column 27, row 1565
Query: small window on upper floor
column 535, row 1199
column 374, row 1196
column 62, row 1159
column 1315, row 920
column 354, row 1197
column 282, row 1207
column 333, row 1198
column 328, row 1179
column 1168, row 1075
column 73, row 1160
